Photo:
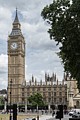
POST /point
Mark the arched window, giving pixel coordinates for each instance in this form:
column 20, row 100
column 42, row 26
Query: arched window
column 77, row 103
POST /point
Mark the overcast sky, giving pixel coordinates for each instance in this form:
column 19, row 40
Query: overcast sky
column 41, row 52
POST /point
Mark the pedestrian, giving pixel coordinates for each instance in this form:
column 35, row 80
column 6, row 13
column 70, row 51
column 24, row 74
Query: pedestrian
column 53, row 113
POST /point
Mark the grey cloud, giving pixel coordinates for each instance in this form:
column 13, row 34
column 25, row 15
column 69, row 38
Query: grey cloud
column 40, row 50
column 2, row 72
column 24, row 4
column 43, row 43
column 3, row 46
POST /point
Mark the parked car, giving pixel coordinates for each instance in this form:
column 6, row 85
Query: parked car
column 73, row 111
column 76, row 115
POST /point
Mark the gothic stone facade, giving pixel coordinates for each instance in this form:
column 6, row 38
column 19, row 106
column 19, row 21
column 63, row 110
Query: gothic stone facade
column 52, row 90
column 73, row 95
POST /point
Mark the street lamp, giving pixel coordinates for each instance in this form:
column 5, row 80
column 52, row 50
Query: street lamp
column 37, row 113
column 10, row 99
column 52, row 98
column 5, row 102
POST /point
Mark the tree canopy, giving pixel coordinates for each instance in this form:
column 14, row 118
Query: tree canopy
column 36, row 99
column 1, row 100
column 63, row 16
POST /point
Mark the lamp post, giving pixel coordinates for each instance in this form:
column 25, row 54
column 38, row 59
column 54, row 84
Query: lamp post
column 37, row 113
column 5, row 102
column 52, row 97
column 52, row 100
column 25, row 104
column 10, row 99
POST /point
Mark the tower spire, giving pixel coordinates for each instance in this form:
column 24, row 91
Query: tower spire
column 16, row 30
column 16, row 17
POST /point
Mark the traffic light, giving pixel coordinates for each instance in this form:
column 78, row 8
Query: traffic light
column 34, row 119
column 14, row 111
column 59, row 113
column 60, row 107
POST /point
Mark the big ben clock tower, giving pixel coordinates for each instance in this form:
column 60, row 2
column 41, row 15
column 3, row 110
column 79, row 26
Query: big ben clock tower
column 16, row 62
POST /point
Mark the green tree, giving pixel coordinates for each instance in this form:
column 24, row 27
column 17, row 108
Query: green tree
column 36, row 99
column 63, row 17
column 1, row 100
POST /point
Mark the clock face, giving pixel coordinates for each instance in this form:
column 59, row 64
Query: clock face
column 14, row 45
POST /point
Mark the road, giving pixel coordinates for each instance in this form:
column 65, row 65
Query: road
column 49, row 117
column 43, row 117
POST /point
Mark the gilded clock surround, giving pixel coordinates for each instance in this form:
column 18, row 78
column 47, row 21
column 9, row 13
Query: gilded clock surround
column 14, row 45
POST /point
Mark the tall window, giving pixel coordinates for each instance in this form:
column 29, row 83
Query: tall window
column 54, row 93
column 54, row 100
column 65, row 93
column 60, row 100
column 43, row 89
column 49, row 89
column 49, row 100
column 60, row 93
column 33, row 89
column 49, row 94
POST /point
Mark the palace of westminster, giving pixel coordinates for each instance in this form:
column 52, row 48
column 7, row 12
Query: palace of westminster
column 54, row 92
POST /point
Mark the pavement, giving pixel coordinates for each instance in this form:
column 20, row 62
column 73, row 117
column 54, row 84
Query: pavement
column 41, row 117
column 45, row 117
column 49, row 117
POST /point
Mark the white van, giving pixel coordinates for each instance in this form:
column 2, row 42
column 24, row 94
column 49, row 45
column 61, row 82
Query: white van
column 76, row 114
column 77, row 110
column 74, row 111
